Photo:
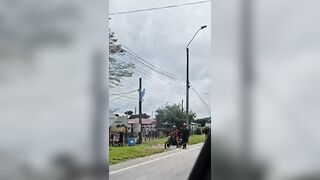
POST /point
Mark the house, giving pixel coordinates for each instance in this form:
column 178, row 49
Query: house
column 194, row 126
column 121, row 120
column 112, row 118
column 208, row 125
column 118, row 122
column 147, row 124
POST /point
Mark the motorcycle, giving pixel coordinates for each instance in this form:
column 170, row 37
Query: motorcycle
column 171, row 141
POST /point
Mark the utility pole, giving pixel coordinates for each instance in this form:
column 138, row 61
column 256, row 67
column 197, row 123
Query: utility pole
column 188, row 83
column 135, row 110
column 182, row 105
column 140, row 109
column 187, row 89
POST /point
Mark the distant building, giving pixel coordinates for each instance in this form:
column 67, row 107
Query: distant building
column 112, row 118
column 121, row 120
column 194, row 126
column 147, row 124
column 118, row 122
column 208, row 125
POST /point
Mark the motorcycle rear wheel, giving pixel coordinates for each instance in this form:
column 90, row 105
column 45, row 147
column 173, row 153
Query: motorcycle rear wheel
column 166, row 145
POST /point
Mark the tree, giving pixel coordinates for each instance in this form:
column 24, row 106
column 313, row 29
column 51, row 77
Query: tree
column 203, row 121
column 172, row 115
column 129, row 113
column 198, row 131
column 117, row 69
column 144, row 116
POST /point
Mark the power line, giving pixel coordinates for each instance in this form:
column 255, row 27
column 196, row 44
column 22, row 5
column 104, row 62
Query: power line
column 155, row 81
column 122, row 96
column 153, row 66
column 141, row 73
column 169, row 95
column 199, row 96
column 158, row 8
column 155, row 78
column 139, row 59
column 112, row 64
column 131, row 56
column 134, row 56
column 156, row 69
column 128, row 81
column 124, row 93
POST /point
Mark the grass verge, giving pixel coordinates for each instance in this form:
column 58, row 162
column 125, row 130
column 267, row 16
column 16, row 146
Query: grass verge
column 195, row 139
column 121, row 154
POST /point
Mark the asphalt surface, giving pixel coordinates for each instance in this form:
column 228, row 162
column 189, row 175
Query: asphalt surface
column 172, row 165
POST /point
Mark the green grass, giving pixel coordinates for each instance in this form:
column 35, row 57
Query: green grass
column 195, row 139
column 156, row 142
column 121, row 154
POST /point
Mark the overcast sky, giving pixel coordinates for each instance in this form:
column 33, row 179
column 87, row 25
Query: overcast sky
column 160, row 37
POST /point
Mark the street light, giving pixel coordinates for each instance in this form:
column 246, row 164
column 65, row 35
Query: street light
column 188, row 83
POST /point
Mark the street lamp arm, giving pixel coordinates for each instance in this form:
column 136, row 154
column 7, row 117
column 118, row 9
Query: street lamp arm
column 202, row 27
column 193, row 38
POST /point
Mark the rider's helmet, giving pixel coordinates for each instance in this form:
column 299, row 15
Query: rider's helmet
column 174, row 127
column 184, row 124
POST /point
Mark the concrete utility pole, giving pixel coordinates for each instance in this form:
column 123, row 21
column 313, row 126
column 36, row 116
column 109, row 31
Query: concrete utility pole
column 182, row 105
column 187, row 88
column 140, row 109
column 187, row 82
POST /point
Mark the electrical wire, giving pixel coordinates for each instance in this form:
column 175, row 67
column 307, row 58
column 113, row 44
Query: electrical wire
column 197, row 94
column 122, row 96
column 132, row 55
column 158, row 8
column 155, row 79
column 153, row 66
column 124, row 93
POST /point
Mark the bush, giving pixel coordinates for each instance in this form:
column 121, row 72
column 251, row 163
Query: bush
column 198, row 131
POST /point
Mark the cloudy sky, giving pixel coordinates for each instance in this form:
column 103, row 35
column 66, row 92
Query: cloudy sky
column 160, row 37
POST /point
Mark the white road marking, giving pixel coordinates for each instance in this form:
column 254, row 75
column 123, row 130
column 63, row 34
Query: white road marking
column 147, row 162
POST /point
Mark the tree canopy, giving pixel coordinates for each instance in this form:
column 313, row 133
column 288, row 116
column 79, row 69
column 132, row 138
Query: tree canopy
column 117, row 69
column 203, row 121
column 129, row 113
column 172, row 115
column 144, row 116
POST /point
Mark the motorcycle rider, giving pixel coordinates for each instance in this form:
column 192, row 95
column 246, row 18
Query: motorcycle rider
column 185, row 133
column 175, row 134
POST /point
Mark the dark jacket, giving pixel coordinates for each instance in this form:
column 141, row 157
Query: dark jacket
column 185, row 133
column 121, row 137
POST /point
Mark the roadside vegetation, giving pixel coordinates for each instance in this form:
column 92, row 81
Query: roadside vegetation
column 121, row 154
column 125, row 153
column 195, row 139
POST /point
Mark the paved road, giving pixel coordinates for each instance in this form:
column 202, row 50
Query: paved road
column 172, row 165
